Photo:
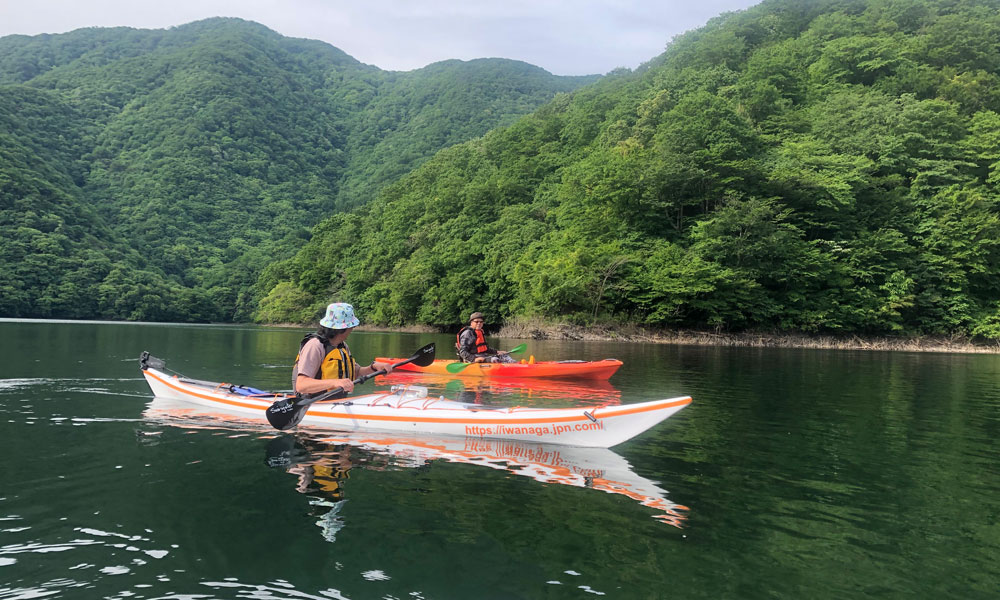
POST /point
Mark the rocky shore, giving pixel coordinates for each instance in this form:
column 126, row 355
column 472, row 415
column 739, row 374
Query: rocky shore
column 535, row 330
column 761, row 339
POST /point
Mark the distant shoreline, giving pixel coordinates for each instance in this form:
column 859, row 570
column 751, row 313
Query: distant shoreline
column 755, row 339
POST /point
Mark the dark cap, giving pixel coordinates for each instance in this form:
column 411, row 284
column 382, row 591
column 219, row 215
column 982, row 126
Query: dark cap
column 476, row 315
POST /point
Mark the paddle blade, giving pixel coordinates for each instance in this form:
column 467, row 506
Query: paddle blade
column 285, row 414
column 424, row 356
column 517, row 348
column 456, row 367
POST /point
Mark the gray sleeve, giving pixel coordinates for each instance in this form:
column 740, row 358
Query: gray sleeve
column 467, row 345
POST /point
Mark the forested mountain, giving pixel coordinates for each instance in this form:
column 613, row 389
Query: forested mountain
column 821, row 166
column 151, row 174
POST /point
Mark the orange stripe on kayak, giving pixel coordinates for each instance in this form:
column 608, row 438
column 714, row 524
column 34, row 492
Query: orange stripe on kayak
column 625, row 410
column 613, row 412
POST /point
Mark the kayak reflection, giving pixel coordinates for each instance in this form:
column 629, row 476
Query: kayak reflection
column 594, row 468
column 527, row 389
column 322, row 460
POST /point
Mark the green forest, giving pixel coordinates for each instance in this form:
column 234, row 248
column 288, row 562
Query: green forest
column 829, row 166
column 152, row 174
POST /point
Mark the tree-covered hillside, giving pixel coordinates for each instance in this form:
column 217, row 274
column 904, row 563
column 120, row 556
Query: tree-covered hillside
column 174, row 164
column 826, row 166
column 55, row 251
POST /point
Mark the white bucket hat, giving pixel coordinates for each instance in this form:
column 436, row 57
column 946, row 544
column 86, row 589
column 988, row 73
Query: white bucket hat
column 339, row 316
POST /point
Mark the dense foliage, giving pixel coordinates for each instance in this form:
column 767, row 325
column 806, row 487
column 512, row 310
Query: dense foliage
column 824, row 166
column 152, row 174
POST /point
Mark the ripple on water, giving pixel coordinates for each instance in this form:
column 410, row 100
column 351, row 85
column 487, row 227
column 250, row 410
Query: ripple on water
column 121, row 557
column 585, row 588
column 59, row 383
column 276, row 590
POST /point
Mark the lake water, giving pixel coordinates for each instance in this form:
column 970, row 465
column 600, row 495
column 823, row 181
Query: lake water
column 793, row 474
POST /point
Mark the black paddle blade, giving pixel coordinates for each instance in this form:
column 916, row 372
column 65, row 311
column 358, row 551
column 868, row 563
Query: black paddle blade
column 424, row 356
column 285, row 414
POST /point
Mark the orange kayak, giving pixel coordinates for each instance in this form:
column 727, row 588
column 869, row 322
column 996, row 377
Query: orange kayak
column 576, row 369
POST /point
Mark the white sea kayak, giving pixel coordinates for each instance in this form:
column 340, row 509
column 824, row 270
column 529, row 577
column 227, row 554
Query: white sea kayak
column 408, row 409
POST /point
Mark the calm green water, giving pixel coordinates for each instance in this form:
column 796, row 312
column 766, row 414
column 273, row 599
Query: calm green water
column 794, row 474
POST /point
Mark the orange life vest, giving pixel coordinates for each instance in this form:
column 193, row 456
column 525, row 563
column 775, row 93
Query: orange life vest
column 480, row 340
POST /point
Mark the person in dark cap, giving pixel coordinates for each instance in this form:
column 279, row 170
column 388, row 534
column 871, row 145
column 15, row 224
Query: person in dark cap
column 471, row 343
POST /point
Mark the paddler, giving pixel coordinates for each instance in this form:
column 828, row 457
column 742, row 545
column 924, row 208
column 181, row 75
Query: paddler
column 471, row 343
column 324, row 361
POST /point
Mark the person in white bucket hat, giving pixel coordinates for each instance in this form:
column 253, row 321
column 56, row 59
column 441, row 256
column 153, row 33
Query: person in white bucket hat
column 324, row 361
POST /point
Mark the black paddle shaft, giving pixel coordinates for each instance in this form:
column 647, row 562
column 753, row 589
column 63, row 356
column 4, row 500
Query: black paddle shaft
column 285, row 414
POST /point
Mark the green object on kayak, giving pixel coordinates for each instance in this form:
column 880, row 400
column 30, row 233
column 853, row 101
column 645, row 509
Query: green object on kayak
column 458, row 367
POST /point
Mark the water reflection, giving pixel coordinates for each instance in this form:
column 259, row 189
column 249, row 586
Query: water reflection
column 593, row 468
column 322, row 461
column 321, row 469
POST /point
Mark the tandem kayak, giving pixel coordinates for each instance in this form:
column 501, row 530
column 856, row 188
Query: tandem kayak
column 576, row 369
column 407, row 408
